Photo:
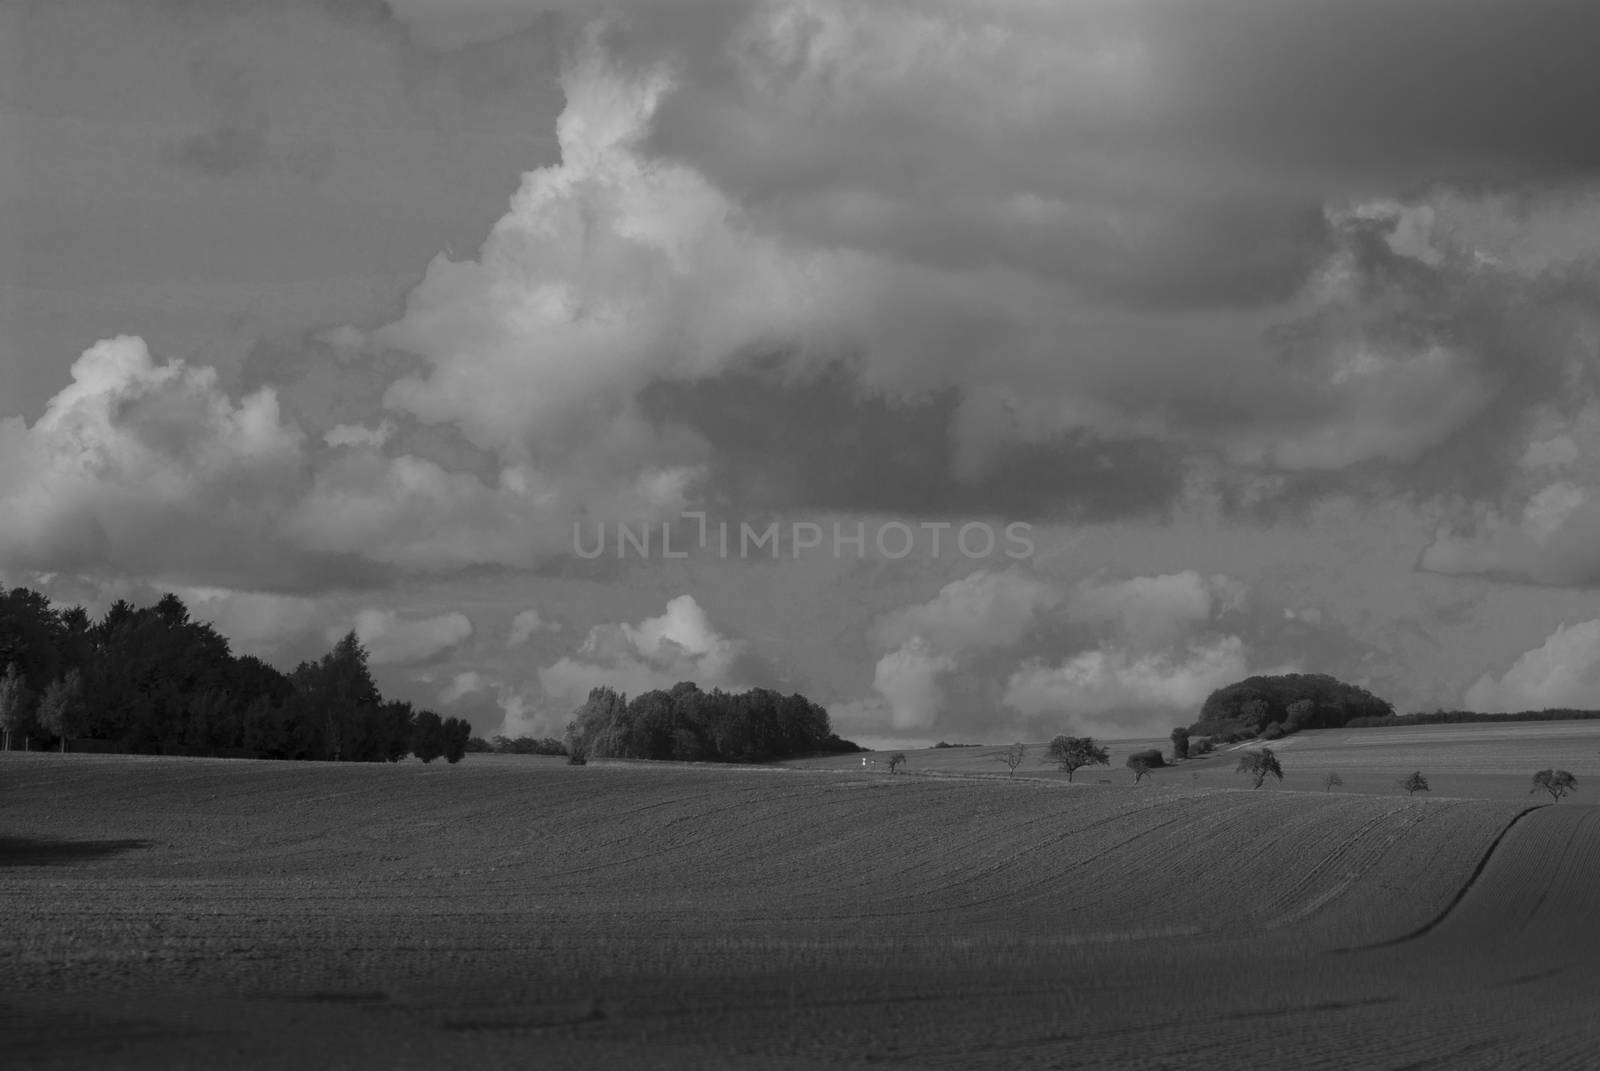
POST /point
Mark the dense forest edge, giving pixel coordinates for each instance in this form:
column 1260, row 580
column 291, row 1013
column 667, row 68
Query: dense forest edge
column 151, row 680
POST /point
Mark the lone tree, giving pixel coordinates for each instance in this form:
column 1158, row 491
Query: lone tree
column 1140, row 765
column 16, row 703
column 1260, row 765
column 1415, row 783
column 1332, row 781
column 897, row 760
column 1180, row 743
column 1556, row 782
column 1072, row 753
column 1012, row 756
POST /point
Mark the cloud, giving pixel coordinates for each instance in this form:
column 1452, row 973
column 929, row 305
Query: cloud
column 926, row 643
column 1113, row 687
column 984, row 653
column 1150, row 612
column 526, row 624
column 1554, row 536
column 1564, row 671
column 934, row 200
column 680, row 645
column 392, row 639
column 150, row 469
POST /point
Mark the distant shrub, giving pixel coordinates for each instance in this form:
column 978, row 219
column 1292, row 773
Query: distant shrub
column 1415, row 783
column 477, row 745
column 577, row 760
column 942, row 744
column 1202, row 746
column 897, row 760
column 1332, row 781
column 1180, row 743
column 1272, row 732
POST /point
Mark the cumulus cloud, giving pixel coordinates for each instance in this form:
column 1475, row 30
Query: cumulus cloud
column 1150, row 612
column 393, row 639
column 983, row 653
column 680, row 645
column 1114, row 687
column 928, row 642
column 146, row 468
column 526, row 624
column 736, row 183
column 1564, row 671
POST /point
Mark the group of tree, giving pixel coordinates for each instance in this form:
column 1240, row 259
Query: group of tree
column 1273, row 706
column 522, row 745
column 690, row 725
column 1072, row 753
column 152, row 680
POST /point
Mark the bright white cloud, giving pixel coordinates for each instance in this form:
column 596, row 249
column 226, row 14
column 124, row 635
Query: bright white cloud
column 1113, row 686
column 1564, row 671
column 680, row 645
column 393, row 639
column 144, row 468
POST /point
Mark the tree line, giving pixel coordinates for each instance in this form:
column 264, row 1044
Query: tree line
column 151, row 680
column 690, row 725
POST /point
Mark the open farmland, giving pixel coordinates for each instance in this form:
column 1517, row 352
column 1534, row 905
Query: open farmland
column 1482, row 761
column 520, row 912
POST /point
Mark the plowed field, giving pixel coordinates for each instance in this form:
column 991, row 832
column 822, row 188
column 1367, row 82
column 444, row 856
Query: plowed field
column 183, row 912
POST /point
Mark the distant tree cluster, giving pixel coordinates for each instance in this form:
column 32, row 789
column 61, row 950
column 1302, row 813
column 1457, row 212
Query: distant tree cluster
column 523, row 745
column 1275, row 706
column 688, row 724
column 151, row 680
column 1452, row 717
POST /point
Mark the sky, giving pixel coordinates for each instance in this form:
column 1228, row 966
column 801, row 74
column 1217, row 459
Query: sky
column 989, row 369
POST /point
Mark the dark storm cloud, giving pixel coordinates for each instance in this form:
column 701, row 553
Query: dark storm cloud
column 820, row 442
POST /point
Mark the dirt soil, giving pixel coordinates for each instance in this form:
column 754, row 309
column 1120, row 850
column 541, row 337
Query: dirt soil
column 516, row 912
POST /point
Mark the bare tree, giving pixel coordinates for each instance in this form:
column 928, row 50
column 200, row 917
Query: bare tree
column 1072, row 753
column 1260, row 765
column 1012, row 756
column 1140, row 767
column 1556, row 782
column 1415, row 783
column 1332, row 781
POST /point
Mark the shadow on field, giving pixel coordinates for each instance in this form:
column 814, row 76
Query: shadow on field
column 44, row 851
